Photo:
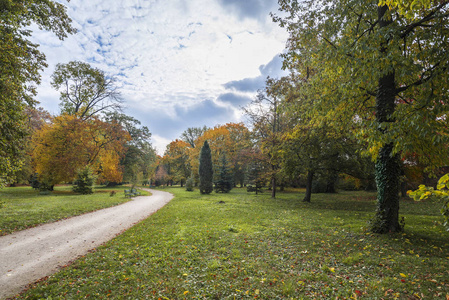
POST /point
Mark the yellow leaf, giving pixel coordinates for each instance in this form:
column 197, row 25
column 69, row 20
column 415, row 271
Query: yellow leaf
column 403, row 275
column 186, row 292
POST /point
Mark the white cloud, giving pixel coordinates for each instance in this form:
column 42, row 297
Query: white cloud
column 166, row 54
column 160, row 143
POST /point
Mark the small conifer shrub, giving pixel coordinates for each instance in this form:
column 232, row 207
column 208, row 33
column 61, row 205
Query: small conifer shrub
column 84, row 181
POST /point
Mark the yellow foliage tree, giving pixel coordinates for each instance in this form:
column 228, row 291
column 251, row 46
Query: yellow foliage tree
column 409, row 8
column 69, row 143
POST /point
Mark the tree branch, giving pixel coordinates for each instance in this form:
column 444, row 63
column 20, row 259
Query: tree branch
column 427, row 18
column 423, row 79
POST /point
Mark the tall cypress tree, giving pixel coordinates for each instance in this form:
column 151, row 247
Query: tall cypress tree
column 206, row 171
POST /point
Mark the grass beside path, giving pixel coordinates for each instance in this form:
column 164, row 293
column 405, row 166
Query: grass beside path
column 255, row 247
column 23, row 207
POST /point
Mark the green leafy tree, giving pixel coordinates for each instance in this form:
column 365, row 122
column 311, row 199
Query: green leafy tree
column 20, row 65
column 85, row 91
column 177, row 155
column 225, row 181
column 311, row 150
column 256, row 171
column 140, row 154
column 205, row 170
column 268, row 123
column 191, row 135
column 37, row 118
column 380, row 72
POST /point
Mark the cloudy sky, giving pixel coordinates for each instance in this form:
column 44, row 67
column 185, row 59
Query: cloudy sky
column 178, row 63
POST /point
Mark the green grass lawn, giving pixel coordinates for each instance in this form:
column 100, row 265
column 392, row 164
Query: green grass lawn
column 255, row 247
column 23, row 207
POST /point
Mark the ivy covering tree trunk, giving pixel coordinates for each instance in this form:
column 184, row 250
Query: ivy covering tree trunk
column 387, row 179
column 206, row 170
column 387, row 163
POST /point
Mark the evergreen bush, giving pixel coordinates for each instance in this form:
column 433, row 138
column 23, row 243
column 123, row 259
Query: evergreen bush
column 189, row 184
column 46, row 185
column 34, row 181
column 224, row 183
column 84, row 181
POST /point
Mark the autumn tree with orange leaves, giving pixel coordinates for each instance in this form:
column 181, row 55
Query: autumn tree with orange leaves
column 69, row 143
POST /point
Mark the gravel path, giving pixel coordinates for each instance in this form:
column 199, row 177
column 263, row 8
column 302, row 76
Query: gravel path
column 28, row 255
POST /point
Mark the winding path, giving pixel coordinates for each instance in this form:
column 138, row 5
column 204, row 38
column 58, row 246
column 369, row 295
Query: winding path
column 28, row 255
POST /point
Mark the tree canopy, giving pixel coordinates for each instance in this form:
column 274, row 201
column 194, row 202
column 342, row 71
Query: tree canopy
column 20, row 64
column 70, row 143
column 139, row 153
column 191, row 135
column 408, row 8
column 85, row 91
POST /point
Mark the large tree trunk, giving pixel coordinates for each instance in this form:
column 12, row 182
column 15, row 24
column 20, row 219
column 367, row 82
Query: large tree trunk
column 273, row 186
column 387, row 165
column 308, row 195
column 387, row 179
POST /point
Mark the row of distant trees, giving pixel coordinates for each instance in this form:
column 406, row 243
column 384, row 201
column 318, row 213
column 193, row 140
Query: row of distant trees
column 246, row 157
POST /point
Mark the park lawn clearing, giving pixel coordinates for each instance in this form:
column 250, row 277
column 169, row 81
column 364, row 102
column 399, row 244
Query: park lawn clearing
column 23, row 207
column 252, row 246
